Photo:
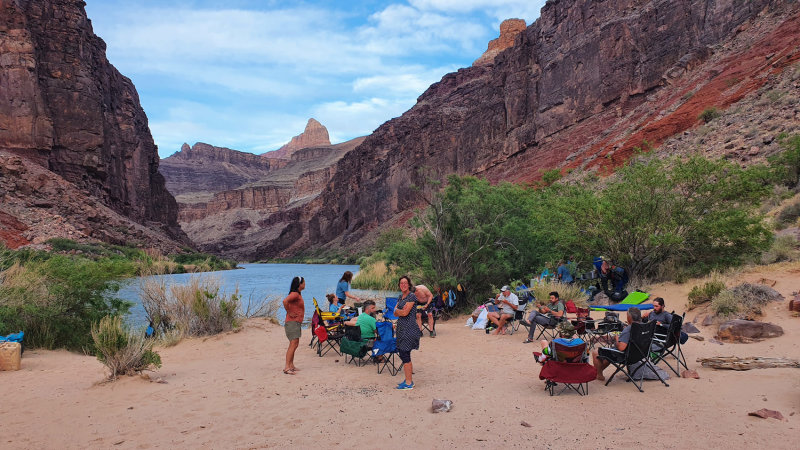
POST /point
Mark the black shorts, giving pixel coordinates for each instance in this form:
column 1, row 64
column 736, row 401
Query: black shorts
column 405, row 356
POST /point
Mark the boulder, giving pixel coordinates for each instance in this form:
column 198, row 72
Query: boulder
column 738, row 330
column 708, row 320
column 689, row 328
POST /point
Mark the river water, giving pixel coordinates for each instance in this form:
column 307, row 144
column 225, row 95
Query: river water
column 257, row 281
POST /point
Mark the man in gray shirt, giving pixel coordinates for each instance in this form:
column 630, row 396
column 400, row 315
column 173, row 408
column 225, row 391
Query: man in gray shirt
column 658, row 314
column 508, row 303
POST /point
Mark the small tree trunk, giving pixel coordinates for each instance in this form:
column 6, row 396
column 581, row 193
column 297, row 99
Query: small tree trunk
column 753, row 362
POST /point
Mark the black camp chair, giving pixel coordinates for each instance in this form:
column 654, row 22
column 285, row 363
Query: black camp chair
column 635, row 357
column 667, row 342
column 514, row 323
column 353, row 348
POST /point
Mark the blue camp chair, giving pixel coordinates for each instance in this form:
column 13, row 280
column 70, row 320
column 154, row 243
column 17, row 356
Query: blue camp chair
column 386, row 346
column 388, row 312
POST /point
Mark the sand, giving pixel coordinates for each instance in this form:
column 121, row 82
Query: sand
column 228, row 391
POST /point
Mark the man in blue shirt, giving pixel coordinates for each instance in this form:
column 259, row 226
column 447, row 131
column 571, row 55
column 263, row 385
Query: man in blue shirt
column 563, row 272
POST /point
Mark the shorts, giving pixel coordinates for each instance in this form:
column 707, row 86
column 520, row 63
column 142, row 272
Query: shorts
column 292, row 330
column 405, row 356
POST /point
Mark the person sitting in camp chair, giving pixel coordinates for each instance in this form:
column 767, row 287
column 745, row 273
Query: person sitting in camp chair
column 338, row 308
column 658, row 314
column 507, row 303
column 424, row 299
column 544, row 315
column 566, row 332
column 366, row 321
column 621, row 342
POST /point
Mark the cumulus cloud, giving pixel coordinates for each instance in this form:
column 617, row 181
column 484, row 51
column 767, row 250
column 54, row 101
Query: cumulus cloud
column 248, row 74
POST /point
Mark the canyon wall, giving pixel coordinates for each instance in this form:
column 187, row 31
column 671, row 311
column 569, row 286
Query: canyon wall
column 65, row 107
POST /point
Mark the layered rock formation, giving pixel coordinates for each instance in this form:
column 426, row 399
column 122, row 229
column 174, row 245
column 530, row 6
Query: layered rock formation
column 314, row 135
column 236, row 222
column 583, row 86
column 509, row 30
column 197, row 172
column 66, row 108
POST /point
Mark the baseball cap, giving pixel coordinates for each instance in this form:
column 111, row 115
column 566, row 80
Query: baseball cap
column 505, row 288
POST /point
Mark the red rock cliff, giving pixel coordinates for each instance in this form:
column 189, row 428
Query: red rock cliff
column 581, row 82
column 314, row 135
column 63, row 105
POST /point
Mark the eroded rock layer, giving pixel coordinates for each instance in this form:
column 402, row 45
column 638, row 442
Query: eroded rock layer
column 66, row 108
column 583, row 86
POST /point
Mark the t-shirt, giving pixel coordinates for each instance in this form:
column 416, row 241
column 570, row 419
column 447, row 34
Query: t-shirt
column 513, row 299
column 295, row 308
column 334, row 308
column 558, row 307
column 664, row 317
column 341, row 288
column 563, row 273
column 625, row 336
column 367, row 324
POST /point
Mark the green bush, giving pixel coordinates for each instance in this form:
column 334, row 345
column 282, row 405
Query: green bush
column 724, row 304
column 787, row 163
column 122, row 351
column 706, row 292
column 784, row 248
column 709, row 114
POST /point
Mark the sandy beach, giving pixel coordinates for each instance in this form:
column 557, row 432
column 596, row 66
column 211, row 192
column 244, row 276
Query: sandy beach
column 228, row 391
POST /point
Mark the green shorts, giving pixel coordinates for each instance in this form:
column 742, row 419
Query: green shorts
column 292, row 330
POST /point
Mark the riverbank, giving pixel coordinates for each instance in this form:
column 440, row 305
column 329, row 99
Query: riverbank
column 228, row 391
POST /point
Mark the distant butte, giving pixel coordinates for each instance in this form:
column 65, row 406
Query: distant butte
column 509, row 30
column 315, row 135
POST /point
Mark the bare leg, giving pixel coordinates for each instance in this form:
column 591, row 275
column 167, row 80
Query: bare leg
column 430, row 321
column 501, row 324
column 289, row 367
column 408, row 370
column 599, row 365
column 419, row 321
column 494, row 318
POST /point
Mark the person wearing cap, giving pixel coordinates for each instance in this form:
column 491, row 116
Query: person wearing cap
column 544, row 315
column 566, row 332
column 507, row 302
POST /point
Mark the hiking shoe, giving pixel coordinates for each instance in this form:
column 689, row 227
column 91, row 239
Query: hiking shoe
column 405, row 387
column 525, row 323
column 433, row 334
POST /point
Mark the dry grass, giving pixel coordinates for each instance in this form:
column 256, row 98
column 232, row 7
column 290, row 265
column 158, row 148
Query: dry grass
column 197, row 308
column 375, row 275
column 566, row 292
column 123, row 352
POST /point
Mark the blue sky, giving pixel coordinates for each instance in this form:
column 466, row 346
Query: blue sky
column 248, row 74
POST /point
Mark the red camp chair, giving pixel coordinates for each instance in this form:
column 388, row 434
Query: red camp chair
column 568, row 368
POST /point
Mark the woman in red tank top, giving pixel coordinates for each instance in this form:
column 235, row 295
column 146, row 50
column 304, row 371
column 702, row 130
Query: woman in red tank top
column 295, row 311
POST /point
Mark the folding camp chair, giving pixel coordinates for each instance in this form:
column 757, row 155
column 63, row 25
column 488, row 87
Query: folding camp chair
column 548, row 330
column 435, row 313
column 388, row 312
column 353, row 347
column 635, row 356
column 568, row 367
column 667, row 342
column 384, row 350
column 514, row 323
column 325, row 338
column 332, row 322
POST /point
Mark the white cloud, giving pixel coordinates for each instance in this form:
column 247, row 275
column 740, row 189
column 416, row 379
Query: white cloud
column 346, row 120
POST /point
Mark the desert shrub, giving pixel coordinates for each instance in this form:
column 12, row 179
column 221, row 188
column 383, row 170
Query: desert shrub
column 122, row 351
column 566, row 292
column 783, row 248
column 56, row 298
column 725, row 304
column 551, row 176
column 709, row 114
column 198, row 308
column 787, row 163
column 706, row 292
column 753, row 297
column 789, row 214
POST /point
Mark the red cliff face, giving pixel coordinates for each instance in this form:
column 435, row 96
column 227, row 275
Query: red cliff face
column 314, row 135
column 509, row 30
column 64, row 106
column 587, row 80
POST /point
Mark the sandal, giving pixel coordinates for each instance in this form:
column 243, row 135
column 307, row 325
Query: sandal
column 527, row 341
column 289, row 371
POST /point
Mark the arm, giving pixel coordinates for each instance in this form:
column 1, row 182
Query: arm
column 352, row 322
column 406, row 309
column 347, row 294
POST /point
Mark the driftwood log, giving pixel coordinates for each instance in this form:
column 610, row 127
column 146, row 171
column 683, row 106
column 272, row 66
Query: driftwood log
column 753, row 362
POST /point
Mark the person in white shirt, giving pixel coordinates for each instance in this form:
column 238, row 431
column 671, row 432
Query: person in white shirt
column 507, row 304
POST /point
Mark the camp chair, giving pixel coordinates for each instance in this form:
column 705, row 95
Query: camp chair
column 325, row 338
column 388, row 312
column 325, row 315
column 432, row 311
column 636, row 354
column 385, row 346
column 331, row 321
column 548, row 330
column 353, row 347
column 568, row 367
column 514, row 323
column 667, row 342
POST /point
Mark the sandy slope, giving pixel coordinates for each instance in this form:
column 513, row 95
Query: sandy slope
column 229, row 392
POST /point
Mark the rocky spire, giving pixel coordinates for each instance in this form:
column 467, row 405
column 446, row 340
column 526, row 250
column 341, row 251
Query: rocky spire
column 314, row 135
column 509, row 30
